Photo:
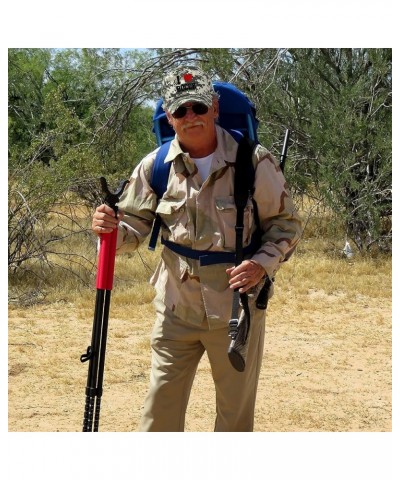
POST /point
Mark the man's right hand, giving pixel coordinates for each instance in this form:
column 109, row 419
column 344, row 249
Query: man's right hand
column 104, row 220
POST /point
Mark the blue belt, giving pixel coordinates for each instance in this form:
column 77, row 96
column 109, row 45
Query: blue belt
column 207, row 257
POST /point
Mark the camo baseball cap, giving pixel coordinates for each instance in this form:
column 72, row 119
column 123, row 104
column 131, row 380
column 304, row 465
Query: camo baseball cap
column 186, row 84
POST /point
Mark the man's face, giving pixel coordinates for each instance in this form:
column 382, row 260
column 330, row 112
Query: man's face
column 193, row 128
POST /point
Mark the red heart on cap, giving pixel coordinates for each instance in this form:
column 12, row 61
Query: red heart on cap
column 188, row 77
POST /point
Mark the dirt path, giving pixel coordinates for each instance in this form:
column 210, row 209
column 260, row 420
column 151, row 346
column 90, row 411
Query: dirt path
column 324, row 369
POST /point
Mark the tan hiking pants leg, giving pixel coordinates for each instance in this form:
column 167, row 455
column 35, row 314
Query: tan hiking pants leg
column 236, row 391
column 176, row 352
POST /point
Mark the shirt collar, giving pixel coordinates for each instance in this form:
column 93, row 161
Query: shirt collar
column 224, row 154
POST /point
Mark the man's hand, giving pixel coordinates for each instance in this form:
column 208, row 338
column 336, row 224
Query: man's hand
column 104, row 220
column 246, row 275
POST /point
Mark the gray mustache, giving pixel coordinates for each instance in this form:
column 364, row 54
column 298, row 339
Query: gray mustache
column 194, row 124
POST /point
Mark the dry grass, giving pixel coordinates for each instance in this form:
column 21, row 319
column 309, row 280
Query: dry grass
column 327, row 363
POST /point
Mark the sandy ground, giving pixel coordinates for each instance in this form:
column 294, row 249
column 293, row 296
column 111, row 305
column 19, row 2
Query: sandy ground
column 325, row 370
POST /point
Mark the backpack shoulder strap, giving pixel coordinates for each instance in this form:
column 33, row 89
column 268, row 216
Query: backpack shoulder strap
column 243, row 189
column 159, row 182
column 160, row 172
column 244, row 172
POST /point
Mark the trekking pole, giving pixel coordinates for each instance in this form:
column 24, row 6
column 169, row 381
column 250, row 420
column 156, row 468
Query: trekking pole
column 96, row 352
column 284, row 150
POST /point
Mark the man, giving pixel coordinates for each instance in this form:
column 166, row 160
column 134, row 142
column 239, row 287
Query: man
column 193, row 301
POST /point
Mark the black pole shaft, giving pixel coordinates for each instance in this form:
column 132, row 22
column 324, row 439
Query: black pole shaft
column 96, row 356
column 284, row 150
column 102, row 358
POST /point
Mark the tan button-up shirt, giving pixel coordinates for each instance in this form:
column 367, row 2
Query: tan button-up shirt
column 202, row 216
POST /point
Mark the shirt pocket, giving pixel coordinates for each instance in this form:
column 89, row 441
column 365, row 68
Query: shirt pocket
column 174, row 216
column 226, row 212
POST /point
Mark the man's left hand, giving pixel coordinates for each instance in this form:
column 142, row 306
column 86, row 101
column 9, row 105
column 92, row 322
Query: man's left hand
column 246, row 275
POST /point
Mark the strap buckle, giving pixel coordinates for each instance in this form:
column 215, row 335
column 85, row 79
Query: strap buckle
column 233, row 328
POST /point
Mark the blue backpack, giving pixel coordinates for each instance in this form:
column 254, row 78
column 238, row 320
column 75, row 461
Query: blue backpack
column 237, row 114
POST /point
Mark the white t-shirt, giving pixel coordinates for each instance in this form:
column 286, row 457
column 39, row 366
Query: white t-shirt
column 204, row 165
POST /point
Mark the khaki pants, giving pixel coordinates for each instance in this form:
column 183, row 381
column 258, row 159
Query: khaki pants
column 177, row 348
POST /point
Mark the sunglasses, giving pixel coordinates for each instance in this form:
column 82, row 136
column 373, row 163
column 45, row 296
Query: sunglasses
column 197, row 108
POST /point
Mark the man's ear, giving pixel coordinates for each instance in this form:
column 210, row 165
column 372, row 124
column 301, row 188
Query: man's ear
column 169, row 117
column 215, row 106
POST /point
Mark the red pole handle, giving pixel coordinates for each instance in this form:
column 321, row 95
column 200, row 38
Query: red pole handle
column 106, row 260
